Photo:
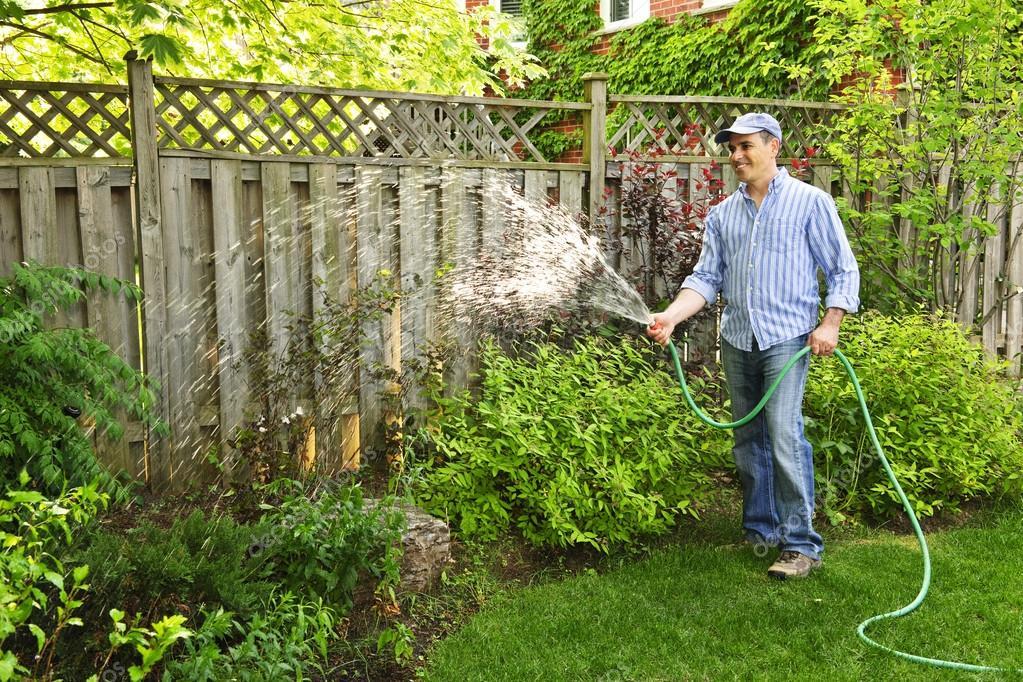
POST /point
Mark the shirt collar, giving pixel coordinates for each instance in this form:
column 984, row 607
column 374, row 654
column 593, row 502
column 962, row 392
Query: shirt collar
column 772, row 186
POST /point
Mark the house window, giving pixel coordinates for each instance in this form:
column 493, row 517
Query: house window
column 621, row 10
column 621, row 13
column 512, row 7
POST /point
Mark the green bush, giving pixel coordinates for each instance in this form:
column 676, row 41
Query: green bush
column 319, row 542
column 199, row 560
column 46, row 369
column 947, row 418
column 590, row 446
column 39, row 593
column 288, row 639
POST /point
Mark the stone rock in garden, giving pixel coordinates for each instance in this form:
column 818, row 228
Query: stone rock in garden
column 426, row 542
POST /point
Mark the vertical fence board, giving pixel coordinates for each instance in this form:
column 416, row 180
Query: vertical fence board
column 232, row 321
column 182, row 340
column 337, row 387
column 994, row 259
column 458, row 236
column 535, row 183
column 1014, row 272
column 38, row 214
column 254, row 238
column 325, row 264
column 126, row 257
column 68, row 250
column 630, row 262
column 374, row 246
column 494, row 211
column 105, row 311
column 821, row 177
column 280, row 263
column 10, row 231
column 968, row 267
column 570, row 191
column 703, row 332
column 205, row 388
column 418, row 250
column 351, row 415
column 728, row 177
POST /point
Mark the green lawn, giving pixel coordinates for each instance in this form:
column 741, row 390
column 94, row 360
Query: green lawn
column 703, row 610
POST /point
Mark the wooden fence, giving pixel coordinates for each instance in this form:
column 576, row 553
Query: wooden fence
column 237, row 205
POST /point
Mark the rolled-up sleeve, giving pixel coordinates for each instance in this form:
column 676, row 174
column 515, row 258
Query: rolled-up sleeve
column 708, row 275
column 834, row 256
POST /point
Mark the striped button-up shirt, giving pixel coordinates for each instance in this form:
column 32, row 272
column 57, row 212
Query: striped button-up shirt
column 764, row 263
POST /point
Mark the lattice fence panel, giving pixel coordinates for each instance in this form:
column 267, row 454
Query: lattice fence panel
column 251, row 118
column 63, row 120
column 685, row 126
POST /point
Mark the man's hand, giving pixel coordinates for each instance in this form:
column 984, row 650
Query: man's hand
column 824, row 339
column 660, row 328
column 685, row 305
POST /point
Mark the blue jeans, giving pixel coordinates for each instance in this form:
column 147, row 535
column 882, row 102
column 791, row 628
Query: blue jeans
column 773, row 457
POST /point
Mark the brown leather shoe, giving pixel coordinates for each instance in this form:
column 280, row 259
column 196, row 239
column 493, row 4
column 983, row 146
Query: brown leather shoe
column 792, row 565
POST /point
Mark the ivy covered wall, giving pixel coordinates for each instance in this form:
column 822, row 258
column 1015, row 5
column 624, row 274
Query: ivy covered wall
column 758, row 49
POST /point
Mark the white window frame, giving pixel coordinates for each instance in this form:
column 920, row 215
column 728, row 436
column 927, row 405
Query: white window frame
column 640, row 12
column 716, row 5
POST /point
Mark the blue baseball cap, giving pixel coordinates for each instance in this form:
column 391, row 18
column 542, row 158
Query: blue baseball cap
column 753, row 122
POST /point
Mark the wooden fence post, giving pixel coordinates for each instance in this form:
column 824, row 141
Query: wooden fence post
column 149, row 214
column 595, row 137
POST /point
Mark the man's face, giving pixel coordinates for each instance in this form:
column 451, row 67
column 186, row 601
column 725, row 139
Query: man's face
column 752, row 158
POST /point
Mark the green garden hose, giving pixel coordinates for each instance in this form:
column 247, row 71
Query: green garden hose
column 908, row 608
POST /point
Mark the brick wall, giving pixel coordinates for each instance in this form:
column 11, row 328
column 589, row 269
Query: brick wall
column 572, row 155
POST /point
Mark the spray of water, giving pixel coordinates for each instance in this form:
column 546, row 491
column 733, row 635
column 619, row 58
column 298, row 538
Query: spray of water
column 546, row 262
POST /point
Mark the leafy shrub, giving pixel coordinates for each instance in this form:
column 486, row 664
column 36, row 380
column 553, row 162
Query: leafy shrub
column 590, row 446
column 319, row 542
column 35, row 585
column 198, row 559
column 45, row 370
column 316, row 542
column 660, row 234
column 150, row 644
column 946, row 417
column 288, row 639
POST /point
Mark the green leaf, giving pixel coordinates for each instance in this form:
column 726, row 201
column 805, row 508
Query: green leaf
column 55, row 579
column 163, row 49
column 39, row 635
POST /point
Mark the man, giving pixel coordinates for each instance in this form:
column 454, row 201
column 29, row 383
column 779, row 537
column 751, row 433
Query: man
column 762, row 249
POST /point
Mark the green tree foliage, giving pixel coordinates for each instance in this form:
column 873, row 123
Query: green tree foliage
column 931, row 146
column 417, row 45
column 49, row 373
